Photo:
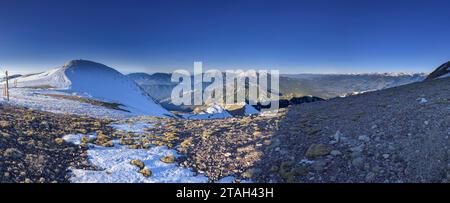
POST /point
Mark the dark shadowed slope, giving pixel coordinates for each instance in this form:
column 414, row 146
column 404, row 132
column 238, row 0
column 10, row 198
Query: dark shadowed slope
column 442, row 71
column 399, row 134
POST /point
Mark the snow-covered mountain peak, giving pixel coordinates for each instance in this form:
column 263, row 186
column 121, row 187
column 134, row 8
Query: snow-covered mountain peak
column 98, row 81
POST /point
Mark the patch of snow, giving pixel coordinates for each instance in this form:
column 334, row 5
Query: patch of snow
column 116, row 167
column 35, row 99
column 446, row 75
column 232, row 179
column 250, row 110
column 423, row 101
column 114, row 163
column 337, row 137
column 135, row 127
column 306, row 161
column 76, row 138
column 215, row 111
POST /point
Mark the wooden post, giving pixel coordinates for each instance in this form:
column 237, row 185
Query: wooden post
column 7, row 86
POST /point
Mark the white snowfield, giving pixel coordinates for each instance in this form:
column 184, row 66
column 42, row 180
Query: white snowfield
column 114, row 166
column 96, row 81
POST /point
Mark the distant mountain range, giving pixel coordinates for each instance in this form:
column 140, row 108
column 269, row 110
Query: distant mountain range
column 334, row 85
column 325, row 86
column 158, row 85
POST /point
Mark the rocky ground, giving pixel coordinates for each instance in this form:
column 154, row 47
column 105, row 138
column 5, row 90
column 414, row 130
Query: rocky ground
column 394, row 135
column 224, row 147
column 216, row 148
column 31, row 147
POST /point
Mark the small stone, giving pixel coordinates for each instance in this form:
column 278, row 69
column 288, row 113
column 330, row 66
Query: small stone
column 358, row 162
column 5, row 124
column 146, row 172
column 13, row 153
column 317, row 150
column 137, row 163
column 364, row 138
column 108, row 144
column 59, row 141
column 126, row 141
column 386, row 156
column 267, row 142
column 391, row 147
column 370, row 177
column 256, row 133
column 426, row 122
column 337, row 137
column 247, row 175
column 274, row 168
column 168, row 159
column 356, row 154
column 319, row 165
column 359, row 148
column 84, row 139
column 335, row 153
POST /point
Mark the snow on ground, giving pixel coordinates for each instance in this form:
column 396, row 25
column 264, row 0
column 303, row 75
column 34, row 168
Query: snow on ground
column 446, row 75
column 215, row 111
column 54, row 78
column 76, row 138
column 115, row 167
column 34, row 99
column 136, row 127
column 98, row 81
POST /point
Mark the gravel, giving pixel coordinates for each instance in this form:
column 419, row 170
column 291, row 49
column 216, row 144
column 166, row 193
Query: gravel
column 31, row 152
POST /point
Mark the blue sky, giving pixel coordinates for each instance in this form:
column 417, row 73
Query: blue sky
column 297, row 36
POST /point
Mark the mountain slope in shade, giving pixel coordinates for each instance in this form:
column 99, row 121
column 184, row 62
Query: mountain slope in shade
column 441, row 72
column 96, row 80
column 394, row 135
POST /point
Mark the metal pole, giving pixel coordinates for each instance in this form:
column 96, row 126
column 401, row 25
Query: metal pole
column 7, row 86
